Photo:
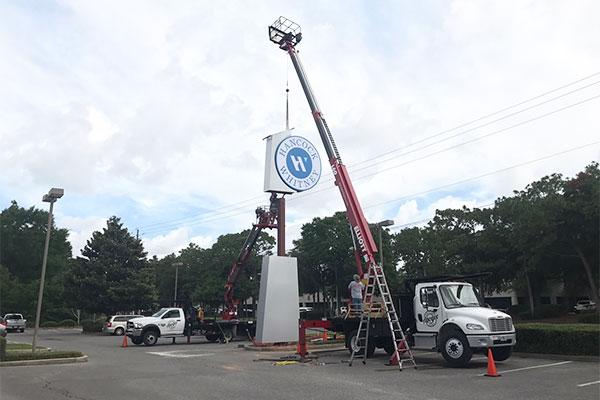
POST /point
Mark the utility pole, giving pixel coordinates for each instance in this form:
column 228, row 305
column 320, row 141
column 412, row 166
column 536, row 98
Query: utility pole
column 176, row 265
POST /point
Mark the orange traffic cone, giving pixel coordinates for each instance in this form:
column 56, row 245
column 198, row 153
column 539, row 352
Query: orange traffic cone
column 124, row 344
column 491, row 368
column 324, row 335
column 401, row 349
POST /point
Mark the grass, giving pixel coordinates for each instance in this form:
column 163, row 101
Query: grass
column 561, row 327
column 21, row 346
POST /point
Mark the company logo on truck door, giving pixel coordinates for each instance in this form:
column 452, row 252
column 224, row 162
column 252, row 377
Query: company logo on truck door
column 298, row 163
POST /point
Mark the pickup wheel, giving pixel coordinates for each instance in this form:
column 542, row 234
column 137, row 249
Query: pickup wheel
column 501, row 353
column 150, row 337
column 22, row 330
column 119, row 332
column 136, row 340
column 455, row 349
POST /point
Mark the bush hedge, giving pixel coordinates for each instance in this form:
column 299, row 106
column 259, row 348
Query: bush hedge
column 68, row 323
column 41, row 355
column 49, row 324
column 589, row 318
column 571, row 339
column 89, row 325
column 2, row 348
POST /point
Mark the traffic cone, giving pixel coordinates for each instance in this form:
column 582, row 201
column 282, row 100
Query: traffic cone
column 491, row 368
column 401, row 349
column 124, row 344
column 324, row 335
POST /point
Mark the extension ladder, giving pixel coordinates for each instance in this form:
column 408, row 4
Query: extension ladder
column 377, row 280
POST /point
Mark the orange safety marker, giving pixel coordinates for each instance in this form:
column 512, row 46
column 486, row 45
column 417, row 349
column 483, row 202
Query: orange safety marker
column 324, row 335
column 124, row 344
column 491, row 367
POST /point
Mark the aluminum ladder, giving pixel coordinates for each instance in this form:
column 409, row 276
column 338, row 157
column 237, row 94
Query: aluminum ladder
column 377, row 280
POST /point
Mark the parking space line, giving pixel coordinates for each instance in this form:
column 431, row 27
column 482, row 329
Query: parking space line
column 173, row 354
column 588, row 383
column 533, row 367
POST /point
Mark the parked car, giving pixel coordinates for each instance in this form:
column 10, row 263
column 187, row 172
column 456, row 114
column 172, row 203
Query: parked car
column 305, row 309
column 116, row 324
column 14, row 322
column 2, row 328
column 584, row 305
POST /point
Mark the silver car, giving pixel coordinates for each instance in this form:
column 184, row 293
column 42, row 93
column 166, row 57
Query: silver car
column 14, row 322
column 116, row 324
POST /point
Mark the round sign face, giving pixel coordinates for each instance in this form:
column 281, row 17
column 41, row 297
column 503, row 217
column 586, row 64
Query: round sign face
column 298, row 163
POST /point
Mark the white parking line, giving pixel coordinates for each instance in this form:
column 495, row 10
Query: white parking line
column 173, row 354
column 588, row 384
column 533, row 367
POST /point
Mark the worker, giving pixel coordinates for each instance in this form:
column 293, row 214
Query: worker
column 356, row 287
column 200, row 316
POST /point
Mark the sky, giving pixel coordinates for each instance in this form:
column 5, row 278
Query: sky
column 156, row 111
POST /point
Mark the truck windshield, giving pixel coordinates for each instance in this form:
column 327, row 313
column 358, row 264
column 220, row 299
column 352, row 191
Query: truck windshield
column 160, row 312
column 459, row 296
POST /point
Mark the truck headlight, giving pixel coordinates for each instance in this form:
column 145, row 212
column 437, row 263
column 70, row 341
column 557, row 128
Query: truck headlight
column 137, row 325
column 475, row 327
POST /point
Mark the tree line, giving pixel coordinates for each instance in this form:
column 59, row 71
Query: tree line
column 546, row 232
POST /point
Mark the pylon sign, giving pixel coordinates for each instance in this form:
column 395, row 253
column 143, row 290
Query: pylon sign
column 298, row 163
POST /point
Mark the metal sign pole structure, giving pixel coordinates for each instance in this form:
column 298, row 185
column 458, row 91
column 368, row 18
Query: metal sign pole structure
column 360, row 227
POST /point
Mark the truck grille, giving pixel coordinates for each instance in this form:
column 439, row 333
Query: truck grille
column 501, row 324
column 129, row 325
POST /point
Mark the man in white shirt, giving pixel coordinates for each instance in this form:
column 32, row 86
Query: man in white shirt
column 356, row 287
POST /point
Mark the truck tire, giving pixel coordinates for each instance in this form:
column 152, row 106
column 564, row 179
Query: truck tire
column 150, row 337
column 351, row 345
column 455, row 349
column 212, row 337
column 226, row 336
column 22, row 330
column 137, row 340
column 388, row 346
column 119, row 332
column 501, row 353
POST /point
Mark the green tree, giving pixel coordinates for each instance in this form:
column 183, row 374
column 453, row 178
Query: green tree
column 113, row 274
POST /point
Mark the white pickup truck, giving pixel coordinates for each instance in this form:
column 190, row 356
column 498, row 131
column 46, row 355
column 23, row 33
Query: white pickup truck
column 14, row 322
column 173, row 322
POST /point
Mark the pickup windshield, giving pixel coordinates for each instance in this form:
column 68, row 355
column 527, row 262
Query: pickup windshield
column 14, row 316
column 160, row 312
column 459, row 296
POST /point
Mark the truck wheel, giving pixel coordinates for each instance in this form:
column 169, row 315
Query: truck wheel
column 212, row 337
column 119, row 332
column 227, row 336
column 351, row 345
column 388, row 346
column 501, row 353
column 455, row 349
column 136, row 340
column 150, row 337
column 22, row 330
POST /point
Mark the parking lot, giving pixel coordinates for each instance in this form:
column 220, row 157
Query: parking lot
column 203, row 370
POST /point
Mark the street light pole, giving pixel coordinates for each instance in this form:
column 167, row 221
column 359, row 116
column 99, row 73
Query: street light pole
column 387, row 222
column 176, row 265
column 53, row 195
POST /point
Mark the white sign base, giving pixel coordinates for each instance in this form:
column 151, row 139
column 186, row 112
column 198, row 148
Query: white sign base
column 277, row 318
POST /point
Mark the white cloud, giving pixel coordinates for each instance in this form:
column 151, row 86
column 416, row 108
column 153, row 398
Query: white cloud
column 164, row 108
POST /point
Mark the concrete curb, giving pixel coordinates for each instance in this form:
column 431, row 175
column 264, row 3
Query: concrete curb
column 49, row 361
column 557, row 357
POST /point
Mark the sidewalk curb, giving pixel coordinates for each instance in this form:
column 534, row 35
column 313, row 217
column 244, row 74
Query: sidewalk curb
column 557, row 357
column 48, row 361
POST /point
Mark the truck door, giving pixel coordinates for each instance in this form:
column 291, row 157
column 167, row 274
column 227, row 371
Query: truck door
column 172, row 323
column 428, row 312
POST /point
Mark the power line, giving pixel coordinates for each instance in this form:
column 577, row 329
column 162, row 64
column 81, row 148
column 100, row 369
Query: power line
column 173, row 222
column 211, row 219
column 396, row 227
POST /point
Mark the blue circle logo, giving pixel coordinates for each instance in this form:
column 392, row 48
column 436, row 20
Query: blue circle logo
column 298, row 163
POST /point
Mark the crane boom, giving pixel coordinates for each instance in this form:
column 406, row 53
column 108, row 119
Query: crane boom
column 287, row 34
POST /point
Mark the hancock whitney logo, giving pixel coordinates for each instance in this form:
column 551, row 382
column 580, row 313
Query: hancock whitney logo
column 298, row 163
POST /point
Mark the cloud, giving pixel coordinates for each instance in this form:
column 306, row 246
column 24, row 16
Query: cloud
column 157, row 113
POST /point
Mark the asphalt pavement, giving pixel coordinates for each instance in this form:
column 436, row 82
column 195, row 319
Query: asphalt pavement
column 203, row 370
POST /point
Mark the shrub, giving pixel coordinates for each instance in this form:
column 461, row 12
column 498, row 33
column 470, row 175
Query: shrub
column 573, row 339
column 2, row 348
column 49, row 324
column 91, row 326
column 67, row 323
column 41, row 355
column 591, row 318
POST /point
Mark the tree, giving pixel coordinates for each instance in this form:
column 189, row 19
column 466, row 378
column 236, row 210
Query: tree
column 113, row 274
column 22, row 235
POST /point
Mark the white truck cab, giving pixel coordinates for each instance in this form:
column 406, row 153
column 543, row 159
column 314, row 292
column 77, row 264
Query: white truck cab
column 451, row 319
